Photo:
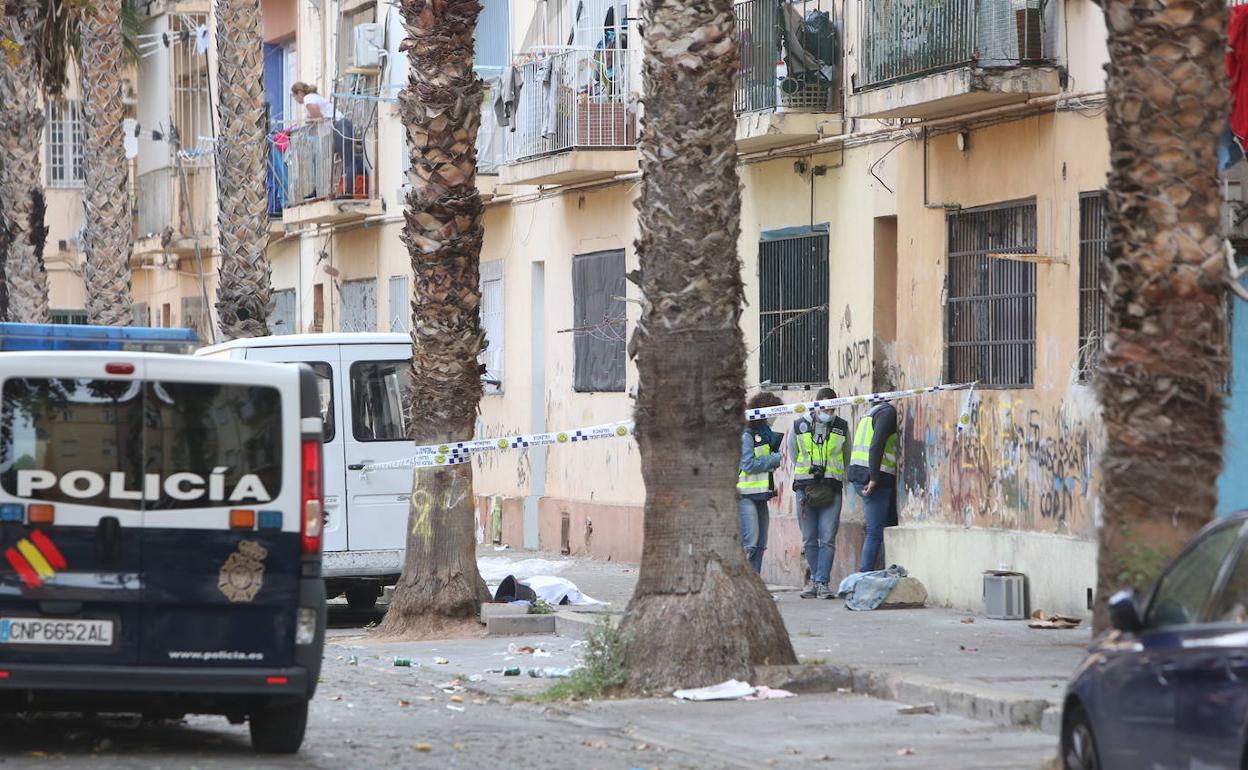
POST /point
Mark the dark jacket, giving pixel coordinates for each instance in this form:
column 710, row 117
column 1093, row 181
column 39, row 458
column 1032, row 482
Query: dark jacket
column 885, row 425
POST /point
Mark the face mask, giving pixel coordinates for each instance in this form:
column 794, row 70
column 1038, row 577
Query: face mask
column 824, row 417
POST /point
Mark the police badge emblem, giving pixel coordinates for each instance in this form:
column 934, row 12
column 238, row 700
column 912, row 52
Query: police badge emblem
column 242, row 575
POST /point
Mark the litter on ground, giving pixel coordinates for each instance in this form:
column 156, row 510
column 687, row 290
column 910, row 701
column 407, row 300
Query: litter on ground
column 730, row 690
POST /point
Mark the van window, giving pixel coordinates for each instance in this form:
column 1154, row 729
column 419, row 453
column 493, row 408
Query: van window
column 325, row 389
column 196, row 429
column 62, row 440
column 378, row 392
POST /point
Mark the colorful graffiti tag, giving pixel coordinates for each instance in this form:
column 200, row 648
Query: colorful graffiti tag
column 1017, row 466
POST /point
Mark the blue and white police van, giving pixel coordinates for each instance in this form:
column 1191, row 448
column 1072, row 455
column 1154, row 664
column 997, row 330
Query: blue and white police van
column 160, row 530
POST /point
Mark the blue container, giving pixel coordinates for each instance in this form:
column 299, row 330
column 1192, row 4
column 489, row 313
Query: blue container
column 15, row 336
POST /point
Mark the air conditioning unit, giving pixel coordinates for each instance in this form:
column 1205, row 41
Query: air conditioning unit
column 369, row 45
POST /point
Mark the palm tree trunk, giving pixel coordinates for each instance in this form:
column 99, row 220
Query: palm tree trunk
column 441, row 109
column 1165, row 366
column 699, row 615
column 244, row 289
column 21, row 191
column 105, row 197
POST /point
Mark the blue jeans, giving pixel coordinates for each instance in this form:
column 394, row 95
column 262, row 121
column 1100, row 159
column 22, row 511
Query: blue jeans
column 878, row 507
column 755, row 516
column 819, row 528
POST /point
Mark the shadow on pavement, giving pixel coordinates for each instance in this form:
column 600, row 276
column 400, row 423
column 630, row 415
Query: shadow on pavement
column 57, row 735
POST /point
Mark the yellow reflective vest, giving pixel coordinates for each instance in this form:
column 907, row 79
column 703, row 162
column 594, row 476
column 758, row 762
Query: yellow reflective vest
column 864, row 434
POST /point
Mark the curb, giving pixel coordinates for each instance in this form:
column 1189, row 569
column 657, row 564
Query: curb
column 948, row 697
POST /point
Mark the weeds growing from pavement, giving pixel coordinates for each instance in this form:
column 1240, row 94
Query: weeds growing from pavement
column 602, row 666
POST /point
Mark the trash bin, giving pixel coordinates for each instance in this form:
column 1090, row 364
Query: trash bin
column 1004, row 597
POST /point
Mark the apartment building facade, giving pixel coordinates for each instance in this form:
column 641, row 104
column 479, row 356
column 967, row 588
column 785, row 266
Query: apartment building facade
column 922, row 203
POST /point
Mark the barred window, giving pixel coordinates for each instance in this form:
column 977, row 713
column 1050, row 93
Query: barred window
column 64, row 142
column 1093, row 242
column 991, row 313
column 793, row 310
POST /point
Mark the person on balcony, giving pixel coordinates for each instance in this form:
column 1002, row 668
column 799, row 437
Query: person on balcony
column 346, row 146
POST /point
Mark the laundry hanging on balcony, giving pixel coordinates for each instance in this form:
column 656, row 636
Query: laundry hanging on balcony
column 507, row 98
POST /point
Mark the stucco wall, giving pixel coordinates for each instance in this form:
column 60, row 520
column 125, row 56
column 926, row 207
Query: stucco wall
column 1028, row 461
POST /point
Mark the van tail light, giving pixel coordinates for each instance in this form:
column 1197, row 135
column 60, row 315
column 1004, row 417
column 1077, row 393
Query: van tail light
column 312, row 505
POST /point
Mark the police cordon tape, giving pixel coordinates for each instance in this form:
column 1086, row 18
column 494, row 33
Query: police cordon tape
column 438, row 455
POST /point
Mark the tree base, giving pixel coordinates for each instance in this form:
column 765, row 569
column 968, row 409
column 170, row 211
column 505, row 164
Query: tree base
column 705, row 637
column 434, row 607
column 429, row 627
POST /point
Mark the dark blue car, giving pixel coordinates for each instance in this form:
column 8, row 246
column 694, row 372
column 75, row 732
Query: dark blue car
column 1168, row 686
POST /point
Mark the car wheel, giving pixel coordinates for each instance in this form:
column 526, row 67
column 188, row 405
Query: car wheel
column 362, row 597
column 279, row 728
column 1078, row 744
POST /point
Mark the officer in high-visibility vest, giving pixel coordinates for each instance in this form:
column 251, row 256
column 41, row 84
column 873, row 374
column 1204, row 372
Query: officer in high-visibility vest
column 873, row 472
column 760, row 455
column 819, row 445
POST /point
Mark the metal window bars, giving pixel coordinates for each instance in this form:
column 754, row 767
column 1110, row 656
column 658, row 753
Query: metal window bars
column 574, row 99
column 991, row 307
column 192, row 103
column 903, row 39
column 1093, row 242
column 64, row 144
column 793, row 310
column 790, row 56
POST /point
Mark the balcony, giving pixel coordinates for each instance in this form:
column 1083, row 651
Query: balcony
column 935, row 58
column 576, row 120
column 171, row 218
column 330, row 171
column 788, row 87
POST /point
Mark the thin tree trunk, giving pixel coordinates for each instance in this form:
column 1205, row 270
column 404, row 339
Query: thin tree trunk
column 1165, row 366
column 244, row 289
column 21, row 127
column 700, row 615
column 105, row 197
column 441, row 109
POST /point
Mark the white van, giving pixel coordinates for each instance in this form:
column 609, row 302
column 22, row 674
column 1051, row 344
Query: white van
column 362, row 380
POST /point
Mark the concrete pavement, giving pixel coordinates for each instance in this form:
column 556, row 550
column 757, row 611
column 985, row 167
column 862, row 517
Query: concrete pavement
column 994, row 670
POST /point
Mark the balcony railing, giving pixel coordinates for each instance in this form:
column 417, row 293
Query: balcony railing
column 574, row 99
column 328, row 159
column 904, row 39
column 790, row 56
column 160, row 202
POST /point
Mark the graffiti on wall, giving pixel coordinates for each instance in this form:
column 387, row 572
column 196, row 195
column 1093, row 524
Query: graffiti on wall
column 853, row 362
column 1017, row 465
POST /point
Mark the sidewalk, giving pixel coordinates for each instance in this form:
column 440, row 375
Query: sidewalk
column 992, row 670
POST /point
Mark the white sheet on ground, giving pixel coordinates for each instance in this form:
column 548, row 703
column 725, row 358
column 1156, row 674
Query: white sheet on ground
column 555, row 589
column 730, row 690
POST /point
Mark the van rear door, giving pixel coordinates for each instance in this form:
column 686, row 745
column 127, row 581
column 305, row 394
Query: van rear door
column 323, row 360
column 221, row 546
column 376, row 381
column 71, row 513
